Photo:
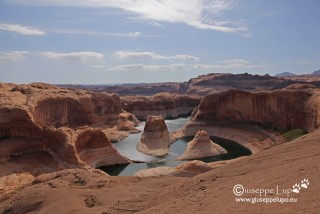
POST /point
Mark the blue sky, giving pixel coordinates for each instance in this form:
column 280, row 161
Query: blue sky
column 132, row 41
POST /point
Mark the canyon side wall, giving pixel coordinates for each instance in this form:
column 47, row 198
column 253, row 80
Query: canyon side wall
column 165, row 104
column 290, row 108
column 40, row 118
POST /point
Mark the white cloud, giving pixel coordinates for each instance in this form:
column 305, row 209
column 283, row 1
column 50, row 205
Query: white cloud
column 95, row 33
column 306, row 62
column 134, row 34
column 238, row 63
column 226, row 64
column 74, row 56
column 24, row 30
column 13, row 55
column 151, row 55
column 186, row 57
column 147, row 67
column 138, row 55
column 229, row 64
column 190, row 64
column 201, row 14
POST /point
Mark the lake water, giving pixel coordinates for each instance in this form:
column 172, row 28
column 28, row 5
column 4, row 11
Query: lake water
column 127, row 147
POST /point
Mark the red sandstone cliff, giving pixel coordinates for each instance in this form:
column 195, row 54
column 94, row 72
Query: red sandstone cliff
column 33, row 119
column 290, row 108
column 96, row 150
column 165, row 104
column 22, row 107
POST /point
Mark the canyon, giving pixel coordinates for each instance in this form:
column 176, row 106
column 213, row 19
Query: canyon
column 52, row 139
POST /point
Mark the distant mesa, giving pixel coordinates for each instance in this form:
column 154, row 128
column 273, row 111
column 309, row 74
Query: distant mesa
column 155, row 139
column 200, row 147
column 316, row 72
column 201, row 85
column 285, row 74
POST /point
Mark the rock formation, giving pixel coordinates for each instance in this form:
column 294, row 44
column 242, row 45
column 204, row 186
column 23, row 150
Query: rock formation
column 165, row 104
column 205, row 84
column 234, row 114
column 32, row 128
column 200, row 147
column 283, row 109
column 155, row 139
column 58, row 149
column 14, row 181
column 187, row 169
column 255, row 119
column 139, row 89
column 86, row 191
column 95, row 149
column 48, row 105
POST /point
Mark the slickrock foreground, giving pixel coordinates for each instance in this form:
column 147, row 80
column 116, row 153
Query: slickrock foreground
column 200, row 147
column 155, row 139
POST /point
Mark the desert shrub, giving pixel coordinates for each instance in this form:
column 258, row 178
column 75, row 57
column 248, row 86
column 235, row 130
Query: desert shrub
column 293, row 134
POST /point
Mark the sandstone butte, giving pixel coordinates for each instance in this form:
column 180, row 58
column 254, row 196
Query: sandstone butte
column 167, row 105
column 51, row 124
column 155, row 139
column 200, row 147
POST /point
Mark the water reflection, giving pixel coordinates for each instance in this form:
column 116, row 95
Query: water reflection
column 131, row 169
column 127, row 147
